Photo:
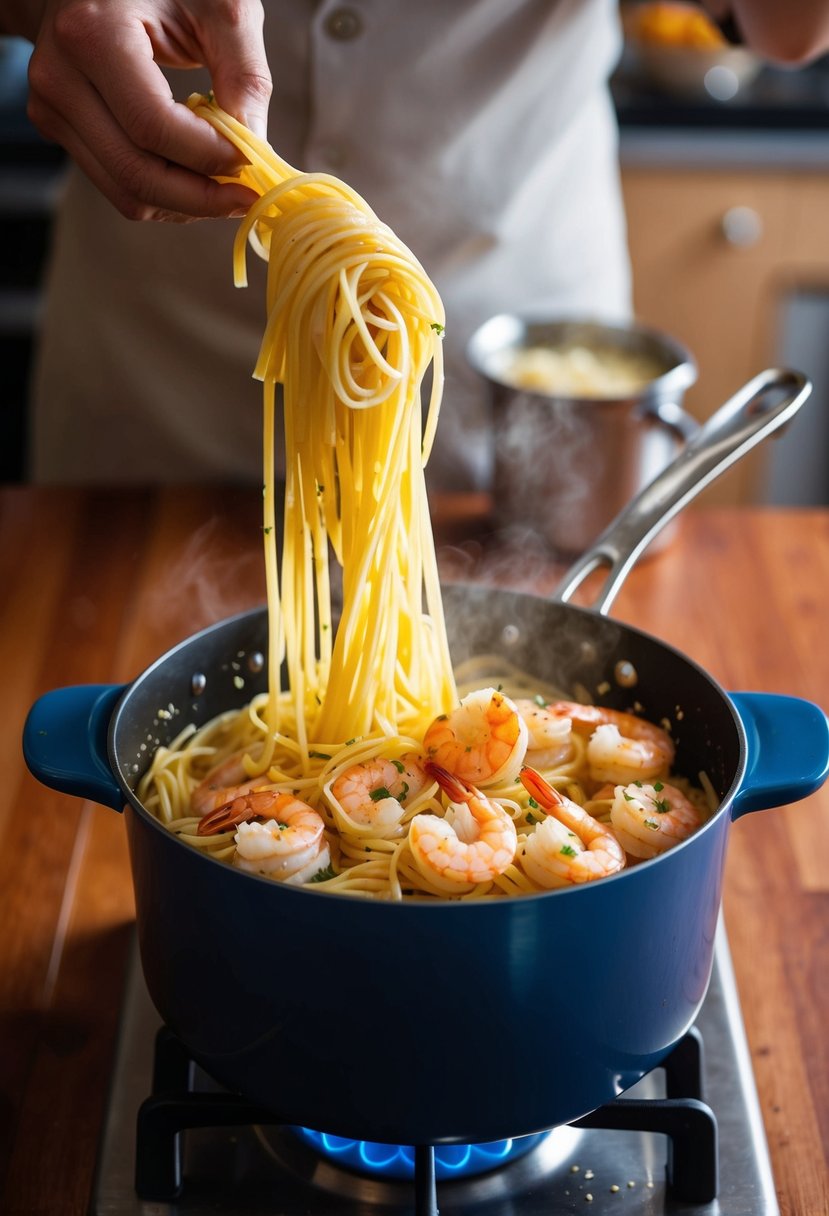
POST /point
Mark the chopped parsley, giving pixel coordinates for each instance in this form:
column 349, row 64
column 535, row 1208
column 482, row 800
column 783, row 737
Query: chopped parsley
column 438, row 328
column 399, row 765
column 323, row 875
column 380, row 793
column 650, row 823
column 530, row 817
column 567, row 850
column 532, row 802
column 320, row 755
column 541, row 701
column 661, row 804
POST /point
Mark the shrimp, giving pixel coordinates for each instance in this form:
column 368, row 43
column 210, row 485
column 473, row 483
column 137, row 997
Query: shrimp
column 222, row 785
column 622, row 747
column 374, row 792
column 474, row 843
column 649, row 819
column 549, row 734
column 484, row 740
column 570, row 846
column 241, row 806
column 290, row 846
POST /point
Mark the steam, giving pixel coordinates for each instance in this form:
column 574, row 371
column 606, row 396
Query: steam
column 217, row 573
column 516, row 557
column 502, row 610
column 207, row 580
column 546, row 467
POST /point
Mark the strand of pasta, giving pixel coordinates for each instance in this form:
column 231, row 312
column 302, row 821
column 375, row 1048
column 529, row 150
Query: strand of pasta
column 353, row 323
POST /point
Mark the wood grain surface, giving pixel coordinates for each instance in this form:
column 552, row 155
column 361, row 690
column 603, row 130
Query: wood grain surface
column 96, row 584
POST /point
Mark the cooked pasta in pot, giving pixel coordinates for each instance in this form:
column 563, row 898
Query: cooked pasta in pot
column 369, row 772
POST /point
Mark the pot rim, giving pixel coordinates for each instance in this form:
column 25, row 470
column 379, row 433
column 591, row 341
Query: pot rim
column 582, row 889
column 480, row 353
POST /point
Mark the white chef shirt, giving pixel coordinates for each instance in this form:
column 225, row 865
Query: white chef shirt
column 481, row 131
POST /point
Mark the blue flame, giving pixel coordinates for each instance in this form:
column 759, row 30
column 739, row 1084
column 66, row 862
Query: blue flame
column 397, row 1161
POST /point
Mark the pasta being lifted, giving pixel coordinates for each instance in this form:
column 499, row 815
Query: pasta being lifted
column 353, row 324
column 364, row 773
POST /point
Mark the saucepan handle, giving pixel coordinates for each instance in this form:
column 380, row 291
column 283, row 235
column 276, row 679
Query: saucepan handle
column 760, row 407
column 788, row 750
column 674, row 418
column 65, row 742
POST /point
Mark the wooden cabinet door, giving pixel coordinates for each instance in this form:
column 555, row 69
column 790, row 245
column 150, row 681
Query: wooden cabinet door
column 714, row 253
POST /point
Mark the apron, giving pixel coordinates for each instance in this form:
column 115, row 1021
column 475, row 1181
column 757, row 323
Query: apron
column 481, row 131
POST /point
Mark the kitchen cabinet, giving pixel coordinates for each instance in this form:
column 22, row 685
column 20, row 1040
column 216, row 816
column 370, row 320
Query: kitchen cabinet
column 716, row 254
column 727, row 201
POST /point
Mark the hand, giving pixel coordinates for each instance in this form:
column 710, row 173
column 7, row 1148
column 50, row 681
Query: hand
column 794, row 33
column 96, row 88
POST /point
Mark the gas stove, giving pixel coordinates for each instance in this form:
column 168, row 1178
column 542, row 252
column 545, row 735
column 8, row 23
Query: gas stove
column 687, row 1139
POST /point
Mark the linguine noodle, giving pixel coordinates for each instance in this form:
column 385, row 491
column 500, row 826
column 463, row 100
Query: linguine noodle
column 353, row 325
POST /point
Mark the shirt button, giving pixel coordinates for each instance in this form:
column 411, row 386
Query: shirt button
column 343, row 24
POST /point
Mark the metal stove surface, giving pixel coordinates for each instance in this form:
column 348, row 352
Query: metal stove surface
column 257, row 1171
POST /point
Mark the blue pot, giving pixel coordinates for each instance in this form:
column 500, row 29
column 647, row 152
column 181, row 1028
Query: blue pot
column 435, row 1022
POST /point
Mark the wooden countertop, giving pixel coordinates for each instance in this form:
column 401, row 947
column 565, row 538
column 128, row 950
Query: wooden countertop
column 96, row 584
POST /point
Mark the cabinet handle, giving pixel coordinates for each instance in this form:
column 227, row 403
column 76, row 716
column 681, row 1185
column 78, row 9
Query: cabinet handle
column 742, row 226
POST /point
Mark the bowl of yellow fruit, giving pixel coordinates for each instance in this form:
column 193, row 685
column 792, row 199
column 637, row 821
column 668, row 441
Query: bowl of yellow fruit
column 678, row 48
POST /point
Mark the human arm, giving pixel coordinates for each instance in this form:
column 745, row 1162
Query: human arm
column 96, row 87
column 791, row 32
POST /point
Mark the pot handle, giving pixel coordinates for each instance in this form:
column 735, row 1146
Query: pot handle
column 674, row 418
column 65, row 742
column 788, row 750
column 754, row 412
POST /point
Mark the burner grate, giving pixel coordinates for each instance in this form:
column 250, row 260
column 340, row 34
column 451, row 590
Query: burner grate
column 267, row 1170
column 175, row 1107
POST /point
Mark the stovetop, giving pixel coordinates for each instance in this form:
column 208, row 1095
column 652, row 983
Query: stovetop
column 263, row 1170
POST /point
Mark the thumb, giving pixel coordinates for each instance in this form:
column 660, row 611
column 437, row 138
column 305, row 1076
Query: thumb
column 234, row 52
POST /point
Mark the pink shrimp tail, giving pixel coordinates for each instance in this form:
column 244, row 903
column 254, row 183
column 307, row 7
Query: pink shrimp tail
column 230, row 815
column 241, row 809
column 454, row 787
column 535, row 784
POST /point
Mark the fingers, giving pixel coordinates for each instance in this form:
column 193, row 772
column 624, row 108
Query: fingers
column 111, row 47
column 235, row 54
column 96, row 88
column 140, row 184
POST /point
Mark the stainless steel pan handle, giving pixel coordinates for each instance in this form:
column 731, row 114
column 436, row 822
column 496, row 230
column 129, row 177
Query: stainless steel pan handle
column 758, row 409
